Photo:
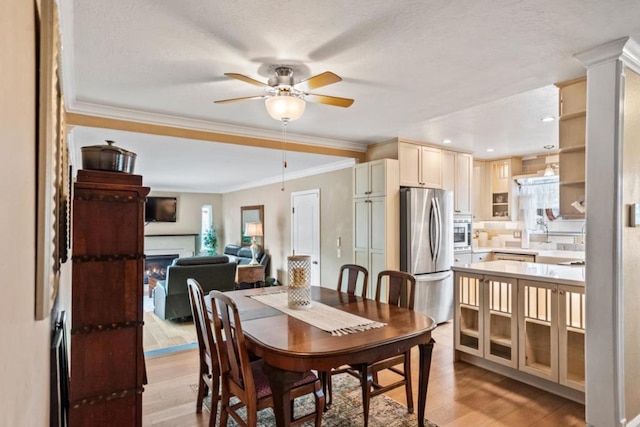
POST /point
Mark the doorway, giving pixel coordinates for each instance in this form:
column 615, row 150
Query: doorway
column 305, row 228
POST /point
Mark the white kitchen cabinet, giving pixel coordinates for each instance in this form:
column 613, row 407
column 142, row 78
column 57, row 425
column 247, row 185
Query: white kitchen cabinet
column 420, row 165
column 480, row 191
column 462, row 258
column 481, row 257
column 457, row 170
column 552, row 332
column 370, row 179
column 503, row 205
column 376, row 213
column 486, row 317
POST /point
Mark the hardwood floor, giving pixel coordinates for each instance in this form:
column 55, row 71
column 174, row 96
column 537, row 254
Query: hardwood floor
column 459, row 394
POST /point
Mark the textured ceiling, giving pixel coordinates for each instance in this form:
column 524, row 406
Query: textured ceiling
column 424, row 70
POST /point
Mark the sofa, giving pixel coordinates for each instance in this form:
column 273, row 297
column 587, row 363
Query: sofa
column 242, row 255
column 171, row 297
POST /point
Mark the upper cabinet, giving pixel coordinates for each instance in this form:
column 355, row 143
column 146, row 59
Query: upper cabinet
column 502, row 203
column 420, row 165
column 457, row 172
column 572, row 126
column 370, row 179
column 480, row 194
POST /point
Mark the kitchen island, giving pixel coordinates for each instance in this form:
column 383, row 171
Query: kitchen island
column 523, row 320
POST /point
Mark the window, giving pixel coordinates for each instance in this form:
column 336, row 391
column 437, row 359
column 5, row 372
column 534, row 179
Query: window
column 206, row 225
column 539, row 199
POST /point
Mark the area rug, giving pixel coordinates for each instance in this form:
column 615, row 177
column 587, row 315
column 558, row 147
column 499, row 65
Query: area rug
column 346, row 409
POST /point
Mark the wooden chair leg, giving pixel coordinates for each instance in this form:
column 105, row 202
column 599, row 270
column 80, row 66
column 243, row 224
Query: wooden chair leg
column 366, row 381
column 320, row 404
column 202, row 392
column 215, row 397
column 407, row 379
column 325, row 379
column 224, row 407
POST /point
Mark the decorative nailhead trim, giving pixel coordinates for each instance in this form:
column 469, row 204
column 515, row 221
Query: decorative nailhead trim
column 109, row 257
column 110, row 198
column 89, row 329
column 106, row 397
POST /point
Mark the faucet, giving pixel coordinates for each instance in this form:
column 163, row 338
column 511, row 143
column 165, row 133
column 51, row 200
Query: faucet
column 541, row 222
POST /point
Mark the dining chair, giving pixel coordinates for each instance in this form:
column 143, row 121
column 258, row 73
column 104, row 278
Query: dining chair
column 355, row 274
column 399, row 291
column 209, row 377
column 244, row 379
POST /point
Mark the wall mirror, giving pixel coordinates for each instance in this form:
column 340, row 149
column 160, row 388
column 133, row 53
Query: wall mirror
column 251, row 214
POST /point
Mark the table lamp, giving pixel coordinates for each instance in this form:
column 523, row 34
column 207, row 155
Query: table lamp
column 253, row 230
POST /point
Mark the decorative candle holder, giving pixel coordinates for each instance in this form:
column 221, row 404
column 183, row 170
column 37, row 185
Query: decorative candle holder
column 299, row 281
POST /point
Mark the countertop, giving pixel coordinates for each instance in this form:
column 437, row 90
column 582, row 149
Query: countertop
column 566, row 275
column 537, row 252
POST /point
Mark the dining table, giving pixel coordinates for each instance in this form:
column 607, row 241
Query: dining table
column 290, row 347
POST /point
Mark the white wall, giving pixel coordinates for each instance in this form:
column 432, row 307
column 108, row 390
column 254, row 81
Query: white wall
column 24, row 352
column 188, row 216
column 335, row 220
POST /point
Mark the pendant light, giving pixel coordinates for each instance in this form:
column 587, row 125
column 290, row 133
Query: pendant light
column 549, row 170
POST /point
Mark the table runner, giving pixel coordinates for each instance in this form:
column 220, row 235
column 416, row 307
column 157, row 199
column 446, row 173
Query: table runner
column 322, row 316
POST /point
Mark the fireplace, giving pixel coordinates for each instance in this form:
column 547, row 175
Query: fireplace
column 156, row 266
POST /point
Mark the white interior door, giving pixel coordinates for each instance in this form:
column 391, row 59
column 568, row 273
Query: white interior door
column 305, row 228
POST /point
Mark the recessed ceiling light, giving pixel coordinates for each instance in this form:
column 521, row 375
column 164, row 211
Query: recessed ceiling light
column 489, row 150
column 446, row 141
column 548, row 119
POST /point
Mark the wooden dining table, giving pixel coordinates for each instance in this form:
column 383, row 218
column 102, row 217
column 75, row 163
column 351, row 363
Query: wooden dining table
column 289, row 347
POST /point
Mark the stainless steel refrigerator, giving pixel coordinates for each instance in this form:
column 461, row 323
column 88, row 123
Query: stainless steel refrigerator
column 426, row 248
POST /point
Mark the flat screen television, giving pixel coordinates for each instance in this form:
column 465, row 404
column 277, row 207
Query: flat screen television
column 160, row 209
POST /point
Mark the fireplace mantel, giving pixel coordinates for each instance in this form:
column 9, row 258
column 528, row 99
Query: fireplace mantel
column 183, row 244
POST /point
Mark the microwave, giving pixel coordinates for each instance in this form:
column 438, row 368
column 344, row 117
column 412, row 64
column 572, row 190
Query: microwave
column 461, row 234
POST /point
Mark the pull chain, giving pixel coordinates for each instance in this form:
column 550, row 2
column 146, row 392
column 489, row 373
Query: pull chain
column 284, row 150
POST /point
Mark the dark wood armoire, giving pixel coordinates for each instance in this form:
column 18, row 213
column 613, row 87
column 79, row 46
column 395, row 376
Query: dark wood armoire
column 107, row 360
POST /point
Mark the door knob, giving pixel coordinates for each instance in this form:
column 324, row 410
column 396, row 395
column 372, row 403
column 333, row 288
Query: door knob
column 315, row 262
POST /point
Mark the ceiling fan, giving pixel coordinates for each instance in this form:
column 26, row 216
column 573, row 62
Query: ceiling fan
column 285, row 100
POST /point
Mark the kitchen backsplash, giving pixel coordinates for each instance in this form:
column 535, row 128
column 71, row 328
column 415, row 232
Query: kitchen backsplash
column 563, row 235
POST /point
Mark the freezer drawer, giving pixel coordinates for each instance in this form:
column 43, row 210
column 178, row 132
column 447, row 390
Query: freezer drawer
column 434, row 295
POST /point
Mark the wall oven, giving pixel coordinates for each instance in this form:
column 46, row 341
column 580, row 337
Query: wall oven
column 461, row 233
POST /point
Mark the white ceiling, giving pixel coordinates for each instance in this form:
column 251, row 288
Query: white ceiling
column 479, row 73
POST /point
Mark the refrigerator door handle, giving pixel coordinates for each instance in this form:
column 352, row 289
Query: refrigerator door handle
column 438, row 242
column 432, row 229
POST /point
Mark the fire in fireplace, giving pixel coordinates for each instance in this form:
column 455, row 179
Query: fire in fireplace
column 156, row 266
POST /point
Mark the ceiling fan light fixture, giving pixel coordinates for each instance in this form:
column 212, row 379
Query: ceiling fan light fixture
column 285, row 107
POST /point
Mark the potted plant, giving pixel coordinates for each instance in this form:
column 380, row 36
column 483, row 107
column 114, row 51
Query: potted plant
column 210, row 240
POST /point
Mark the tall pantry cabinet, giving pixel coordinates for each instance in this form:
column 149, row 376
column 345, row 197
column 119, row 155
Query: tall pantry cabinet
column 376, row 218
column 107, row 362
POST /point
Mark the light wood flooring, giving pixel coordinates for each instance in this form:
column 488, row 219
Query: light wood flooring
column 459, row 394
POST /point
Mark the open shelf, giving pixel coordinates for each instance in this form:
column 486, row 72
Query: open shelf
column 537, row 321
column 573, row 115
column 469, row 307
column 470, row 332
column 501, row 313
column 575, row 330
column 502, row 340
column 573, row 148
column 573, row 182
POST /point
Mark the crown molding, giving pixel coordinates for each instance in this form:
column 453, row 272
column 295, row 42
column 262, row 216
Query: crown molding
column 117, row 113
column 330, row 167
column 625, row 49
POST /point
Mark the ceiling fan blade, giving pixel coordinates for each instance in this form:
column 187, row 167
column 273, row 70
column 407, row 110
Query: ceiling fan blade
column 318, row 80
column 245, row 79
column 244, row 98
column 329, row 100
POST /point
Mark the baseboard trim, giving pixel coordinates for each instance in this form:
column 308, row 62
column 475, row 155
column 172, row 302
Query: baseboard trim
column 169, row 350
column 634, row 422
column 551, row 387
